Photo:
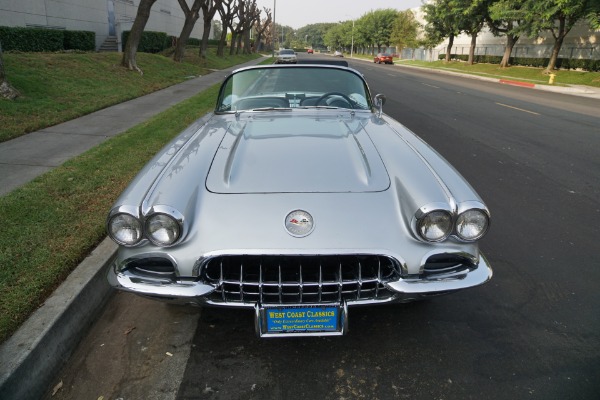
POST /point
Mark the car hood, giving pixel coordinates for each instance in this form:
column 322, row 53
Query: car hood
column 297, row 154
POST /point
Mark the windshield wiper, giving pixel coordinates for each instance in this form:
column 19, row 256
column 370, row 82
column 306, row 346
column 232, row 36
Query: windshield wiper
column 319, row 107
column 272, row 109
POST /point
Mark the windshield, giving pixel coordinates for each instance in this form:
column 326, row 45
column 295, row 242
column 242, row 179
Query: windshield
column 289, row 88
column 282, row 52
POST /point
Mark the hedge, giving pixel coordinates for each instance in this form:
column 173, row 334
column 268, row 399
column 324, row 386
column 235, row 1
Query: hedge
column 561, row 63
column 80, row 40
column 38, row 40
column 196, row 42
column 151, row 42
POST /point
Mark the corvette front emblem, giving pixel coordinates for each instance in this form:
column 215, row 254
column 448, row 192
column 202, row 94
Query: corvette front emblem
column 299, row 223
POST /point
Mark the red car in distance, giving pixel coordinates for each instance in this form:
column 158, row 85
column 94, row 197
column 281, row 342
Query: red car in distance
column 383, row 58
column 310, row 51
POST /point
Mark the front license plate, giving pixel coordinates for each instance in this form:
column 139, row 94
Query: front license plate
column 304, row 320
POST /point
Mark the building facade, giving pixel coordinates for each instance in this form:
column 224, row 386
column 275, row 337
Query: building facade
column 581, row 43
column 104, row 17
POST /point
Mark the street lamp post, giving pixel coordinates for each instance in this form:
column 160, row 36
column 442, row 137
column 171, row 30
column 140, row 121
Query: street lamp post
column 273, row 35
column 352, row 45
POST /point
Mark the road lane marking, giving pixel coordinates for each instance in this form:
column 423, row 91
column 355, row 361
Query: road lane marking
column 435, row 87
column 392, row 75
column 517, row 108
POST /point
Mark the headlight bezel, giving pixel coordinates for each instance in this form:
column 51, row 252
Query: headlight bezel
column 486, row 226
column 130, row 212
column 169, row 214
column 454, row 215
column 143, row 223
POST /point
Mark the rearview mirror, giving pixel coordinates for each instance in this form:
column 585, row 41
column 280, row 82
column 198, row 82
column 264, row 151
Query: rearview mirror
column 379, row 102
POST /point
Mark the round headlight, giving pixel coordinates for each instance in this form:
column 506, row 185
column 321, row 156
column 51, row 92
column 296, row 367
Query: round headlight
column 435, row 226
column 472, row 225
column 125, row 229
column 162, row 229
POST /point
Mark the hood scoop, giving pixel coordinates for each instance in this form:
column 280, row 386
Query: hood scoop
column 297, row 154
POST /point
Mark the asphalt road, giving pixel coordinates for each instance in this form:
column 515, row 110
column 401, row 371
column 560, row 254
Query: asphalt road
column 533, row 332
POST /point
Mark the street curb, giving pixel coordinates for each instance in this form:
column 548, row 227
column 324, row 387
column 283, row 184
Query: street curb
column 574, row 90
column 31, row 357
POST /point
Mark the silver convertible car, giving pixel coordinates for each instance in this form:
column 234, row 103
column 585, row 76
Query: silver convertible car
column 297, row 198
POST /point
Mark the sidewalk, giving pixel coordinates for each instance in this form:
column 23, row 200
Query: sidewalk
column 30, row 357
column 26, row 157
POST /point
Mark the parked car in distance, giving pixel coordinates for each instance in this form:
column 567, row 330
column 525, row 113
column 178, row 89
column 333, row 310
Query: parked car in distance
column 286, row 56
column 338, row 54
column 297, row 198
column 383, row 58
column 310, row 51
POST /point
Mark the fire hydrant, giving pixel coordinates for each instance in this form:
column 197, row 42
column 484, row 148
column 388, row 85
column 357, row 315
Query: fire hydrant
column 551, row 80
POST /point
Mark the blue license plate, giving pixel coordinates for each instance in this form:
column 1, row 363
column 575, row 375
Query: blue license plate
column 302, row 320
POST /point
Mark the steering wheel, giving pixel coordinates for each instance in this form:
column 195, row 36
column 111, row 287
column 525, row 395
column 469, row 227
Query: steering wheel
column 327, row 95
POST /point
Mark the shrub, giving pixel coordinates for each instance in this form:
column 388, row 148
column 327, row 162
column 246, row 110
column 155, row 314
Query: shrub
column 79, row 40
column 37, row 40
column 31, row 39
column 151, row 42
column 561, row 63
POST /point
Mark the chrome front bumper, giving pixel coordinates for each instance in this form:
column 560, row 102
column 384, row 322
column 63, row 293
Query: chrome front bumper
column 197, row 293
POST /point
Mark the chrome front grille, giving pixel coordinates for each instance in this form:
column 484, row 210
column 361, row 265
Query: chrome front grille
column 269, row 279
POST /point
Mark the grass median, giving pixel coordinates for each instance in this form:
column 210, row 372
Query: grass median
column 52, row 223
column 526, row 74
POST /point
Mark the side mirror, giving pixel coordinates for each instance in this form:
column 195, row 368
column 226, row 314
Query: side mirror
column 379, row 102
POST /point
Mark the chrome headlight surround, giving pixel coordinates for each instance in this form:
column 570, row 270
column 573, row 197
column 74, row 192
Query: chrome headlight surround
column 472, row 223
column 164, row 226
column 124, row 226
column 434, row 222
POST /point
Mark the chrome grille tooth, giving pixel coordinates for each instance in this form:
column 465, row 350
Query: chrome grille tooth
column 301, row 284
column 359, row 281
column 221, row 280
column 340, row 281
column 242, row 282
column 320, row 282
column 260, row 282
column 378, row 277
column 280, row 287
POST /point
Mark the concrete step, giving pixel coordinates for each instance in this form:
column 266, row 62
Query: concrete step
column 109, row 44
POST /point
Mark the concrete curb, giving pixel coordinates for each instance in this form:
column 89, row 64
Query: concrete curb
column 30, row 358
column 574, row 90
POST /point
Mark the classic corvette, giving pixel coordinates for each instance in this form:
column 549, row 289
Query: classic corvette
column 298, row 198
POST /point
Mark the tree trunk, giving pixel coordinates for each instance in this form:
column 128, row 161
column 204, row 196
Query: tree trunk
column 558, row 41
column 222, row 43
column 449, row 47
column 191, row 16
column 135, row 35
column 472, row 49
column 511, row 40
column 247, row 43
column 209, row 8
column 238, row 46
column 204, row 44
column 233, row 41
column 6, row 90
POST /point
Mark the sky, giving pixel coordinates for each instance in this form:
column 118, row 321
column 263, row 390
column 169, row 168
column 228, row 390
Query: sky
column 298, row 13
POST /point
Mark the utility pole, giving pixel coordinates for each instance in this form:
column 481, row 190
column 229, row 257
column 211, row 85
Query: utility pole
column 273, row 33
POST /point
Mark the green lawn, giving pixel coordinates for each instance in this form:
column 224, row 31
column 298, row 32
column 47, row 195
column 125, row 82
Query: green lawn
column 533, row 75
column 57, row 87
column 52, row 223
